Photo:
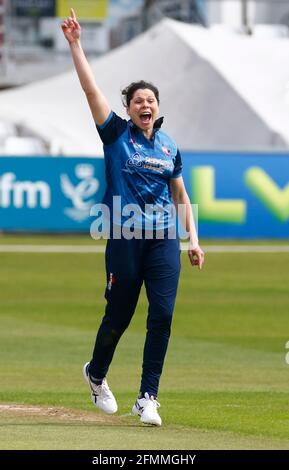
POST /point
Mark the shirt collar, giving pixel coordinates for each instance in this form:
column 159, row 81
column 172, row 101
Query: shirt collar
column 158, row 123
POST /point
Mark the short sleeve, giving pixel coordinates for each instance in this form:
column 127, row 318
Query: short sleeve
column 177, row 165
column 112, row 128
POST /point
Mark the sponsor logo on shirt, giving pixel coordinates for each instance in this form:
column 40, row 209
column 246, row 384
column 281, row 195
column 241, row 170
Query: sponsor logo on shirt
column 150, row 163
column 135, row 160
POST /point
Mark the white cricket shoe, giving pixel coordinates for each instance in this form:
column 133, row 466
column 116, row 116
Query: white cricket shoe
column 147, row 409
column 101, row 395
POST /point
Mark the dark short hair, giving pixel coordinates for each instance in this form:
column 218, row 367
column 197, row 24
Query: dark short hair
column 128, row 92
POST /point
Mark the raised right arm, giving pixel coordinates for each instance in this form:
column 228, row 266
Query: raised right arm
column 98, row 103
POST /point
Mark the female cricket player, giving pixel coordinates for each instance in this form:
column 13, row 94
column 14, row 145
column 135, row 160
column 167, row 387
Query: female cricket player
column 143, row 167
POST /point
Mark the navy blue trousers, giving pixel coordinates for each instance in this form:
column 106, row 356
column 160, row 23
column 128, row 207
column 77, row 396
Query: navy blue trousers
column 129, row 264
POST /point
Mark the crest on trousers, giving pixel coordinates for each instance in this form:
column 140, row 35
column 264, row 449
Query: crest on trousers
column 111, row 281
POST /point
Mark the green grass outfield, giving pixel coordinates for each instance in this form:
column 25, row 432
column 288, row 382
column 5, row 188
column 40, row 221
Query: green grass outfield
column 225, row 381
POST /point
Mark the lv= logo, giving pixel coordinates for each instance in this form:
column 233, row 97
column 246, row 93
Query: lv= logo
column 274, row 198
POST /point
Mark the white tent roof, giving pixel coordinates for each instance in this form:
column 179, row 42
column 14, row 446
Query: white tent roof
column 218, row 91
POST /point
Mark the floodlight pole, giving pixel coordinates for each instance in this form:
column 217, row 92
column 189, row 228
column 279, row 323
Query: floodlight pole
column 245, row 22
column 4, row 44
column 148, row 4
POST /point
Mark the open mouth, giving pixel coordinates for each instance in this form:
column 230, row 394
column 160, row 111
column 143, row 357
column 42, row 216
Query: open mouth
column 145, row 117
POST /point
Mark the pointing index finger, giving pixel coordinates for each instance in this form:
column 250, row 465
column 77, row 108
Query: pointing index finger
column 72, row 14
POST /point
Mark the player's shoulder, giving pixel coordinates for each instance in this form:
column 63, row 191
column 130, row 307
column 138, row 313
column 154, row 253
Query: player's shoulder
column 113, row 119
column 168, row 141
column 112, row 129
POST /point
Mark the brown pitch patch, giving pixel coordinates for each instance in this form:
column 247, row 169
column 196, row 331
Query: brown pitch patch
column 60, row 413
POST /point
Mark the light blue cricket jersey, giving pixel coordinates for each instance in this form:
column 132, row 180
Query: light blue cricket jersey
column 139, row 171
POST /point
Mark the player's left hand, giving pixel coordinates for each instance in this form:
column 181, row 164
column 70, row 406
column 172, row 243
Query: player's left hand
column 196, row 255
